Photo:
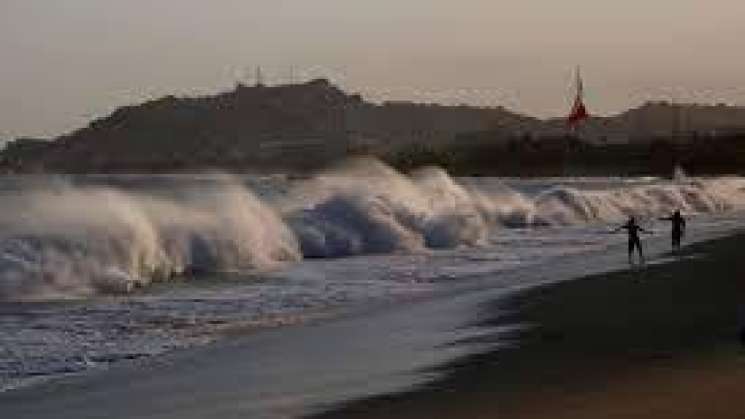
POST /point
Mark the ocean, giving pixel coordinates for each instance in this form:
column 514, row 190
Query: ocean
column 101, row 270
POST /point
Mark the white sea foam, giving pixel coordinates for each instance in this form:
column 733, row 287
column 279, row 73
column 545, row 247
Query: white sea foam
column 566, row 205
column 366, row 207
column 72, row 241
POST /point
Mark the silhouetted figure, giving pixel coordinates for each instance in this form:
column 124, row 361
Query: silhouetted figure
column 633, row 229
column 678, row 230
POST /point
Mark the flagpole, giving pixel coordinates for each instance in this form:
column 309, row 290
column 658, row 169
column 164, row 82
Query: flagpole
column 580, row 97
column 579, row 111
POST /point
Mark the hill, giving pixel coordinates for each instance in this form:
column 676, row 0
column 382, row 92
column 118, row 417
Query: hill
column 298, row 127
column 303, row 127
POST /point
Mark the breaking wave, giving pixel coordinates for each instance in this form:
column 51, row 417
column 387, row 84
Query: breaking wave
column 563, row 205
column 73, row 241
column 366, row 207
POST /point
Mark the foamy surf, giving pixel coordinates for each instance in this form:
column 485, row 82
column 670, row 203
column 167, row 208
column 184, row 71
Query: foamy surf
column 265, row 252
column 78, row 241
column 64, row 240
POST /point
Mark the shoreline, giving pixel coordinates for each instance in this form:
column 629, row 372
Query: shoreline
column 622, row 344
column 305, row 369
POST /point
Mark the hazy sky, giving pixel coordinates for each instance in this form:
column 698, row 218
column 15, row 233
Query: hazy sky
column 63, row 62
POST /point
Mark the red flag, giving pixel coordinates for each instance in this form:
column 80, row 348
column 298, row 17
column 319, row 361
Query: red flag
column 579, row 113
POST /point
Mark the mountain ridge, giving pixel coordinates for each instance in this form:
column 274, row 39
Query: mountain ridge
column 308, row 125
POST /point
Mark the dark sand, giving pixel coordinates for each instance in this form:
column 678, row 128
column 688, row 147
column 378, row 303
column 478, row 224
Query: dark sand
column 657, row 343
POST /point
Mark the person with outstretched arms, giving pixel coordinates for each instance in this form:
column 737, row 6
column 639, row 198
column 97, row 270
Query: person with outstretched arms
column 633, row 229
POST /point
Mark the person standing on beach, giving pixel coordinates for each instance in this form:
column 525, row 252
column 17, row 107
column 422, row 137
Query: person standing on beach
column 633, row 229
column 679, row 227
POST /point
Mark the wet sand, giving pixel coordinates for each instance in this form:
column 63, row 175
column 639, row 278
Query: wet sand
column 655, row 343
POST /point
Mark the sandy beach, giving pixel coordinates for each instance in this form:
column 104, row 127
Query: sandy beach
column 654, row 343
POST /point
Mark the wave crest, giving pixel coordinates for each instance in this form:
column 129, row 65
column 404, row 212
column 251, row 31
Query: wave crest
column 79, row 241
column 71, row 241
